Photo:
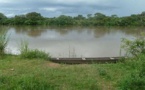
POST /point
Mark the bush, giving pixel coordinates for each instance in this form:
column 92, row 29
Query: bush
column 31, row 54
column 132, row 82
column 136, row 79
column 3, row 43
column 134, row 47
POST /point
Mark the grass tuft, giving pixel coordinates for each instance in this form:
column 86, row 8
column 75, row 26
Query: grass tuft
column 32, row 54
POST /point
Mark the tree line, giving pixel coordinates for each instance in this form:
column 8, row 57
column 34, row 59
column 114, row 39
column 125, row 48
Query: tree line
column 97, row 19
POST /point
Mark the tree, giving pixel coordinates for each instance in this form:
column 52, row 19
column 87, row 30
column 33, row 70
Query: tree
column 100, row 19
column 34, row 18
column 20, row 19
column 143, row 13
column 99, row 16
column 79, row 17
column 64, row 20
column 113, row 20
column 79, row 20
column 89, row 16
column 2, row 18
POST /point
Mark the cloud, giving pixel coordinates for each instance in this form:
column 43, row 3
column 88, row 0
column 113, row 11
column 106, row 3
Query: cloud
column 51, row 8
column 10, row 15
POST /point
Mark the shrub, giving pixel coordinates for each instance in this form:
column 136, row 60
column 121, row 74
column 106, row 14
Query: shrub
column 132, row 82
column 3, row 43
column 136, row 79
column 134, row 47
column 31, row 54
column 102, row 72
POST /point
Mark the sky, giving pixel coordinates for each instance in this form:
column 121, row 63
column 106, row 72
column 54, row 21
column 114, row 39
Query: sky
column 54, row 8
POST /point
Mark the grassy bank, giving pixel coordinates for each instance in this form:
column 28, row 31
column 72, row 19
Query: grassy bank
column 37, row 74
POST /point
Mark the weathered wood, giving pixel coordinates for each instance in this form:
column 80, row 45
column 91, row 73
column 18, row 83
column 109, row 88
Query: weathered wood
column 86, row 60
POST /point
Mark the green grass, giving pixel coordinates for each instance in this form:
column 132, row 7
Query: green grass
column 28, row 53
column 37, row 74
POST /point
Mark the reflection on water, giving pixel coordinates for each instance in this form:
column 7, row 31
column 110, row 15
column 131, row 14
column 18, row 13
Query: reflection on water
column 71, row 41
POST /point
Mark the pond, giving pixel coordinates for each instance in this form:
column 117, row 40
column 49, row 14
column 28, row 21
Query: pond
column 71, row 41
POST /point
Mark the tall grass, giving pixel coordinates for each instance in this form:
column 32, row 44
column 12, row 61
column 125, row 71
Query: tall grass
column 3, row 43
column 26, row 52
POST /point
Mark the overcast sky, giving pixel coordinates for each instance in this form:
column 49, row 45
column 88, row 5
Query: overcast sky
column 52, row 8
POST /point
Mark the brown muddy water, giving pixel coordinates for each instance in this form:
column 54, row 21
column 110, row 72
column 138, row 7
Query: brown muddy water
column 71, row 41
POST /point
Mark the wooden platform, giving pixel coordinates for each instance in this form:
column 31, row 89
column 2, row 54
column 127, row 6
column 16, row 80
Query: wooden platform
column 86, row 60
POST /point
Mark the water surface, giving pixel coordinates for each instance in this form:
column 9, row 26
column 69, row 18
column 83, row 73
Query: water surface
column 71, row 41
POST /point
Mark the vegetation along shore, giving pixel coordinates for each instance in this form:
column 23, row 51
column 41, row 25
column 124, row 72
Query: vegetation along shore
column 97, row 19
